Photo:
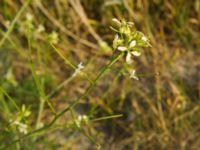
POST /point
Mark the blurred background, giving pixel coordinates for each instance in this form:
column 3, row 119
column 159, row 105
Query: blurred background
column 160, row 111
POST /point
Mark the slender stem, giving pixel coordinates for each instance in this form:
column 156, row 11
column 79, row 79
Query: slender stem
column 41, row 107
column 14, row 21
column 107, row 117
column 69, row 63
column 61, row 85
column 84, row 95
column 37, row 82
column 42, row 100
column 88, row 90
column 10, row 98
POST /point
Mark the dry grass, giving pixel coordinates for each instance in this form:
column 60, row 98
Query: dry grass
column 160, row 111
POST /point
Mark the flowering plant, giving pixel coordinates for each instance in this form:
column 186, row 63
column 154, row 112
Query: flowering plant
column 129, row 40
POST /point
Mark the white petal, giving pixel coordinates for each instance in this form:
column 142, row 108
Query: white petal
column 132, row 44
column 116, row 37
column 117, row 21
column 136, row 53
column 130, row 23
column 128, row 58
column 122, row 48
column 29, row 17
column 144, row 38
column 78, row 69
column 80, row 65
column 132, row 75
column 40, row 28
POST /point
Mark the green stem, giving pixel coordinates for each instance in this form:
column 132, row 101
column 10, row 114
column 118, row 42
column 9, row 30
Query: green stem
column 10, row 98
column 84, row 95
column 107, row 117
column 14, row 21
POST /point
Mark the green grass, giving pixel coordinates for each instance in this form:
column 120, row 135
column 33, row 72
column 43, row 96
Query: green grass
column 160, row 111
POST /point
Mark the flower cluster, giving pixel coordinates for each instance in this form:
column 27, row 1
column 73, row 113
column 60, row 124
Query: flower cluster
column 78, row 69
column 82, row 119
column 19, row 122
column 129, row 40
column 22, row 127
column 38, row 31
column 53, row 37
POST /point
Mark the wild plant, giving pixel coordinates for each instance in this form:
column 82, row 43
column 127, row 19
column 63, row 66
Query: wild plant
column 127, row 44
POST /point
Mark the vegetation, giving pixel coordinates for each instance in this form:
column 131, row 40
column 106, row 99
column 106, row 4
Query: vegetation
column 109, row 74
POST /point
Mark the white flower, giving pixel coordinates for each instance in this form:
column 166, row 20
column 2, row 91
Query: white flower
column 117, row 21
column 78, row 69
column 117, row 41
column 128, row 58
column 132, row 44
column 144, row 38
column 132, row 75
column 53, row 37
column 29, row 17
column 116, row 37
column 82, row 119
column 80, row 66
column 122, row 48
column 23, row 128
column 130, row 23
column 136, row 53
column 40, row 28
column 129, row 54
